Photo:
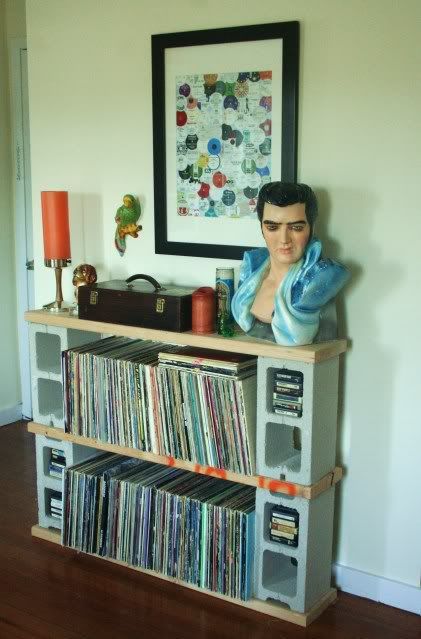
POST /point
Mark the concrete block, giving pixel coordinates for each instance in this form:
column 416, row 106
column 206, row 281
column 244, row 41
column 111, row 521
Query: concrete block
column 46, row 345
column 48, row 484
column 297, row 449
column 296, row 577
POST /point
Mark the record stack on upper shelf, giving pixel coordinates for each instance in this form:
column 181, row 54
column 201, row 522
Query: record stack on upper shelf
column 182, row 402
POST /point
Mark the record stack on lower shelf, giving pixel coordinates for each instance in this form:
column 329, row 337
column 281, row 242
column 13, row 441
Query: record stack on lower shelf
column 195, row 479
column 196, row 529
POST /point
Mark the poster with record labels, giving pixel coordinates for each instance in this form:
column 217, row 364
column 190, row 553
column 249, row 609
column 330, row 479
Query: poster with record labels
column 224, row 123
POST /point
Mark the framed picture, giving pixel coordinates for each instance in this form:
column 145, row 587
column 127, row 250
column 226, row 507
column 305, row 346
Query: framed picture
column 225, row 105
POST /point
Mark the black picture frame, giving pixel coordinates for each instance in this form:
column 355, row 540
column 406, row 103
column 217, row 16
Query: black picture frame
column 288, row 34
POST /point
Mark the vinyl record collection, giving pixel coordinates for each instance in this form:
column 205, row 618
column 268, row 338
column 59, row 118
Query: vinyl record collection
column 190, row 527
column 169, row 400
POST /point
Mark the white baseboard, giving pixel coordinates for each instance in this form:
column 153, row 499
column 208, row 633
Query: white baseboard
column 10, row 415
column 391, row 593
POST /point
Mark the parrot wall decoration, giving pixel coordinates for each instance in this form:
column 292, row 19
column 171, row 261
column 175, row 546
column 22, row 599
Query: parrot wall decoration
column 127, row 217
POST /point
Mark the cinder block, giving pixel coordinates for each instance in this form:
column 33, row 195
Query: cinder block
column 296, row 577
column 46, row 345
column 46, row 483
column 297, row 449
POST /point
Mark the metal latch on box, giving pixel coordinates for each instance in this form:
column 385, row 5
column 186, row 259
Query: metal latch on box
column 93, row 298
column 160, row 304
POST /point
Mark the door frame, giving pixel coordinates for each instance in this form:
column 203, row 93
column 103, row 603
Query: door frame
column 22, row 209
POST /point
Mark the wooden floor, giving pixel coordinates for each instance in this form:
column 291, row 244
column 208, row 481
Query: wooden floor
column 47, row 592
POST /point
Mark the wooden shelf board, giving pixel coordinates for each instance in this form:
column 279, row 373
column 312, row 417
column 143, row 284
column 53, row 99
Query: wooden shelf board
column 268, row 608
column 276, row 486
column 240, row 343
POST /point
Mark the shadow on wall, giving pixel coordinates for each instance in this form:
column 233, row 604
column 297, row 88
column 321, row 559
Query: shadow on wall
column 366, row 392
column 332, row 249
column 87, row 231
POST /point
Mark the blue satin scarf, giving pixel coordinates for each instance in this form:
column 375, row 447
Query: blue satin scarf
column 308, row 285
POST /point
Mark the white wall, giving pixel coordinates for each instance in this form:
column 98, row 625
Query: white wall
column 15, row 18
column 9, row 374
column 359, row 141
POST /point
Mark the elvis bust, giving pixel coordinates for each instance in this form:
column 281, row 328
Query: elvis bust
column 286, row 291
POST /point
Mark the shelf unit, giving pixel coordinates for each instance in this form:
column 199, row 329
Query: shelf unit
column 294, row 465
column 275, row 486
column 240, row 343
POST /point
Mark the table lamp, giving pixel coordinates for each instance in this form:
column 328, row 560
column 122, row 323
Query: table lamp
column 55, row 225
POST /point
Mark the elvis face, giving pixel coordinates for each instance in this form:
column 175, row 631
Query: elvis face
column 286, row 232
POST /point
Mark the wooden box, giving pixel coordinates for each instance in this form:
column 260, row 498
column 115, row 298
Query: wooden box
column 137, row 304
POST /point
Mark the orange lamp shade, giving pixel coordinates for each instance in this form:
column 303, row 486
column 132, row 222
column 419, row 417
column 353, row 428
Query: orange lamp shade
column 55, row 225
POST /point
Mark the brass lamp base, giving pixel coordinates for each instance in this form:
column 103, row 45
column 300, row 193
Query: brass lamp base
column 57, row 306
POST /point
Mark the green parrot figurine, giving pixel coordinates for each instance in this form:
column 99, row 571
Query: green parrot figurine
column 126, row 217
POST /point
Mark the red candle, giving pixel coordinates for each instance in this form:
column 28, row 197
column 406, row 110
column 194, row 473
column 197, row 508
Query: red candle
column 203, row 310
column 55, row 224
